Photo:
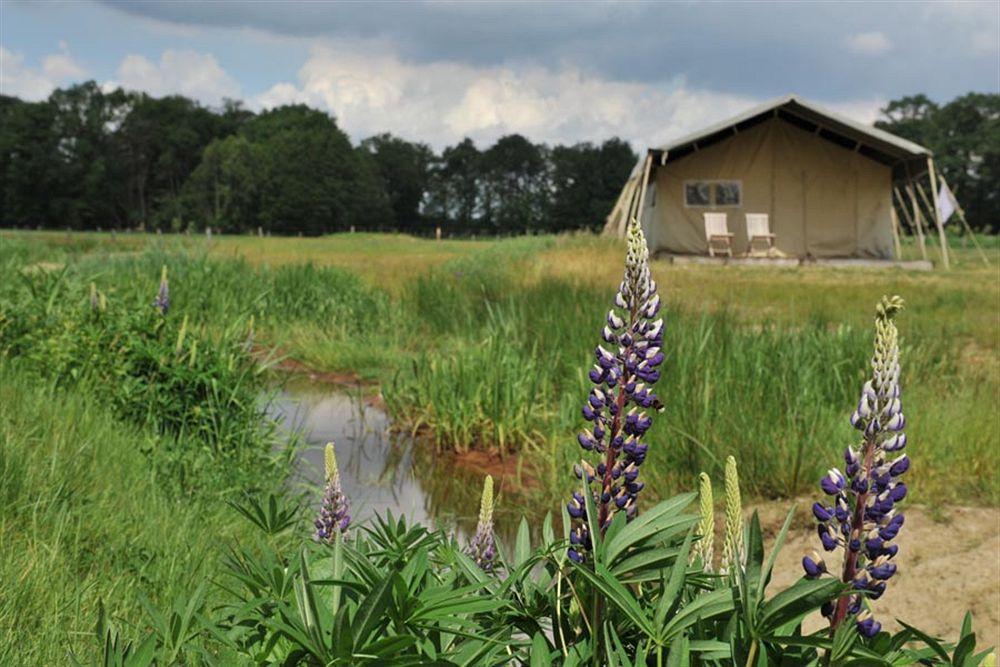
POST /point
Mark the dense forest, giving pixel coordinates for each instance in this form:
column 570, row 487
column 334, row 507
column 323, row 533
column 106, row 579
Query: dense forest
column 86, row 158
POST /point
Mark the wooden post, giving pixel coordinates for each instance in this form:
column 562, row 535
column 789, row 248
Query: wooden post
column 437, row 232
column 914, row 220
column 895, row 233
column 937, row 213
column 630, row 212
column 611, row 222
column 645, row 182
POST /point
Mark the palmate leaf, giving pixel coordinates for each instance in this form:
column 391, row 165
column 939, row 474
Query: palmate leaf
column 779, row 541
column 522, row 545
column 796, row 601
column 671, row 588
column 541, row 656
column 662, row 516
column 372, row 609
column 703, row 607
column 617, row 594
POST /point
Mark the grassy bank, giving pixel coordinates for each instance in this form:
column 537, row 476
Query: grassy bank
column 485, row 345
column 123, row 434
column 124, row 431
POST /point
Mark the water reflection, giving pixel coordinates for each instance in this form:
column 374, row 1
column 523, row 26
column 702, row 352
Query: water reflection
column 380, row 470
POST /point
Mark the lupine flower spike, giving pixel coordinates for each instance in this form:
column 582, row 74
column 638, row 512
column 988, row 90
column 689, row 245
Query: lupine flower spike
column 482, row 548
column 162, row 301
column 334, row 514
column 732, row 548
column 705, row 546
column 860, row 515
column 623, row 377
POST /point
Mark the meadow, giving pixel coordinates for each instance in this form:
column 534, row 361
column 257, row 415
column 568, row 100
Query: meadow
column 114, row 491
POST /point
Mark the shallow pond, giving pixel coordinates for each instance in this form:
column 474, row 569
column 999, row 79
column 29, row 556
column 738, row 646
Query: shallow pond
column 380, row 470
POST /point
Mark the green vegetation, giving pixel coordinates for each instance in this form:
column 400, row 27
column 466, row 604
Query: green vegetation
column 124, row 433
column 89, row 159
column 486, row 347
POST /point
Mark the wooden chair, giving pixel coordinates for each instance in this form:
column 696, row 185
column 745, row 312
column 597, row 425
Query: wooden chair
column 759, row 231
column 717, row 233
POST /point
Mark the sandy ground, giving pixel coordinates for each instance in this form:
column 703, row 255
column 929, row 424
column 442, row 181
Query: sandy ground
column 949, row 563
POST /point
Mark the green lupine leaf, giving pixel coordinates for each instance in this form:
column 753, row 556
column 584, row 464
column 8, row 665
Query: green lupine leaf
column 753, row 566
column 522, row 545
column 372, row 609
column 615, row 592
column 540, row 655
column 703, row 607
column 796, row 601
column 779, row 541
column 931, row 642
column 672, row 587
column 680, row 653
column 657, row 517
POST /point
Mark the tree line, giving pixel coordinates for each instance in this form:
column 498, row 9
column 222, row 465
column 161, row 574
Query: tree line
column 88, row 158
column 964, row 136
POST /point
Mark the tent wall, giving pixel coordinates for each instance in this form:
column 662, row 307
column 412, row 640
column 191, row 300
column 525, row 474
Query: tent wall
column 824, row 200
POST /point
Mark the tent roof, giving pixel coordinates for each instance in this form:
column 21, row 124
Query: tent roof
column 870, row 141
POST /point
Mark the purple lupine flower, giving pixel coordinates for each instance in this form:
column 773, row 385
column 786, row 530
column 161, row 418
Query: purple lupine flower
column 863, row 517
column 624, row 374
column 482, row 547
column 335, row 512
column 162, row 301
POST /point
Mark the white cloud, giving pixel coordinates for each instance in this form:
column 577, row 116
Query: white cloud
column 869, row 43
column 35, row 83
column 189, row 73
column 371, row 90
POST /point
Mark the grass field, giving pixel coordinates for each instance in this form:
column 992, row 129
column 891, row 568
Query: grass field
column 481, row 345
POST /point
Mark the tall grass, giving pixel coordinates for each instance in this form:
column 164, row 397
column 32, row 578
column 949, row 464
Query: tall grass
column 486, row 352
column 86, row 520
column 772, row 395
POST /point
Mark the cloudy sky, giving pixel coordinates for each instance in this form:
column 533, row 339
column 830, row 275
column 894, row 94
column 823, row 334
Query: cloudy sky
column 441, row 70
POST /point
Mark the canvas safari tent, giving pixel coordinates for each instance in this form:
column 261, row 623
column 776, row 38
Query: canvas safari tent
column 825, row 182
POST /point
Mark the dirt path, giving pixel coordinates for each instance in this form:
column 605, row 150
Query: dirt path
column 949, row 563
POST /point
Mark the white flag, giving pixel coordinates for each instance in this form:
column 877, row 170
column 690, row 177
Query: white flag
column 946, row 203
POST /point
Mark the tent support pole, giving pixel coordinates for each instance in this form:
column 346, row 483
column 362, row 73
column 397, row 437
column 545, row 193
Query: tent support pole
column 895, row 233
column 937, row 214
column 645, row 182
column 611, row 221
column 918, row 217
column 910, row 221
column 630, row 213
column 965, row 224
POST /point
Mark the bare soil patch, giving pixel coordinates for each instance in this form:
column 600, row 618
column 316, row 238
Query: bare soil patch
column 949, row 563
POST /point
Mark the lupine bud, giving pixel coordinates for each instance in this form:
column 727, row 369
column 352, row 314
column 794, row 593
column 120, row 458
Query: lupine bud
column 334, row 513
column 814, row 565
column 732, row 547
column 705, row 546
column 482, row 548
column 833, row 482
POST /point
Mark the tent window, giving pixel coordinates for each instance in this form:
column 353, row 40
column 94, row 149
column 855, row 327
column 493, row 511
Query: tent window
column 713, row 193
column 696, row 193
column 728, row 193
